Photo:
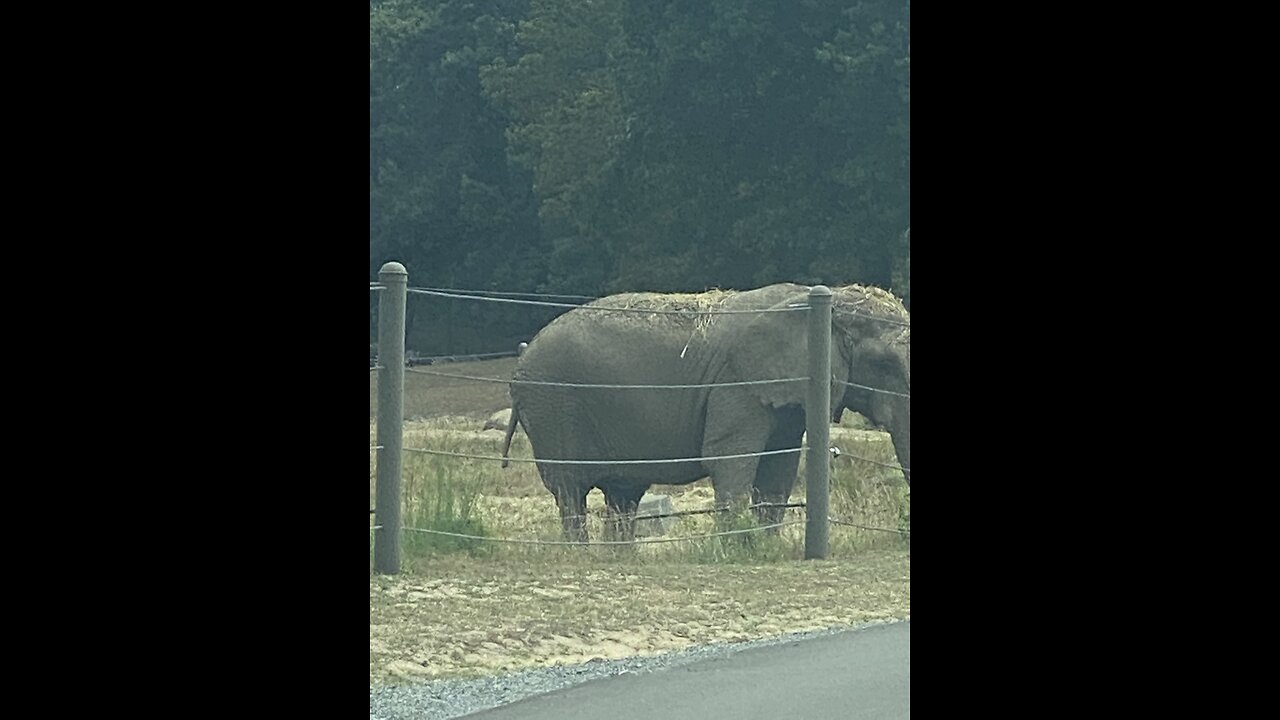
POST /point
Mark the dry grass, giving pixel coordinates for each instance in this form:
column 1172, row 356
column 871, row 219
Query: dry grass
column 867, row 298
column 693, row 302
column 460, row 617
column 467, row 609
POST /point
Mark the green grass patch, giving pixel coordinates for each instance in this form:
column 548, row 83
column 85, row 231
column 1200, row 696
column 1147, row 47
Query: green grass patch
column 434, row 499
column 743, row 547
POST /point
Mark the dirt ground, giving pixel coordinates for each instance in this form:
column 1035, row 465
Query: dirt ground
column 467, row 618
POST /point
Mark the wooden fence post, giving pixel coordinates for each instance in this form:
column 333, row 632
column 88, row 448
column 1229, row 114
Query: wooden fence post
column 817, row 424
column 391, row 303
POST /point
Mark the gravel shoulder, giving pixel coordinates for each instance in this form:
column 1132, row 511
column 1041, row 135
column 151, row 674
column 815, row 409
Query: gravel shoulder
column 446, row 699
column 470, row 635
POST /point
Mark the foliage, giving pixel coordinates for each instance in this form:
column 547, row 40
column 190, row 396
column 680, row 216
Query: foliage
column 435, row 498
column 443, row 199
column 593, row 146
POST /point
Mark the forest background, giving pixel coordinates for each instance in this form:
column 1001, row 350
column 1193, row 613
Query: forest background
column 589, row 147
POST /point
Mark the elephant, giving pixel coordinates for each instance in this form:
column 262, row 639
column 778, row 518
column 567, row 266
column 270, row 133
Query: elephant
column 870, row 345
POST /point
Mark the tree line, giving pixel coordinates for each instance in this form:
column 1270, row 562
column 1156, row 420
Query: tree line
column 599, row 146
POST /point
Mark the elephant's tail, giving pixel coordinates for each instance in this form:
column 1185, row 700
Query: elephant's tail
column 511, row 431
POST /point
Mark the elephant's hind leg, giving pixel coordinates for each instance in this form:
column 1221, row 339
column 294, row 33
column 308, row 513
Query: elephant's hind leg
column 622, row 503
column 572, row 501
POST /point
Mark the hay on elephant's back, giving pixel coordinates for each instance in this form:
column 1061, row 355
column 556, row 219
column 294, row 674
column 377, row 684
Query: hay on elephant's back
column 700, row 306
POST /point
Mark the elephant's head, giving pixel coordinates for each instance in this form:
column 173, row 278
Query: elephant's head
column 870, row 346
column 874, row 330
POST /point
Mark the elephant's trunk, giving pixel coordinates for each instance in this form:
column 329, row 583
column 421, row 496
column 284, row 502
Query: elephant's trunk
column 900, row 433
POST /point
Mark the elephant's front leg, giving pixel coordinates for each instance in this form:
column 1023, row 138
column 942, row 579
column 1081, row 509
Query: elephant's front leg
column 731, row 479
column 775, row 478
column 737, row 425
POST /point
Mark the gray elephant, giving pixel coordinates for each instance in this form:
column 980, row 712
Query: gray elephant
column 870, row 345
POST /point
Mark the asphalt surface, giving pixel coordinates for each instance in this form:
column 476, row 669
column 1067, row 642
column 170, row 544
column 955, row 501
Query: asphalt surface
column 862, row 673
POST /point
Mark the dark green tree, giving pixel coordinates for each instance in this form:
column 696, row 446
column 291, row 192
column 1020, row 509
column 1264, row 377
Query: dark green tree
column 682, row 144
column 443, row 197
column 592, row 146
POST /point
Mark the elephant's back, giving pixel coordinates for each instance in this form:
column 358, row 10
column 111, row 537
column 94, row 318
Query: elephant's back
column 656, row 317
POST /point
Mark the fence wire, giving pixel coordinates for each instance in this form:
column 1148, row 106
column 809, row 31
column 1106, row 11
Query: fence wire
column 877, row 318
column 834, row 451
column 608, row 386
column 605, row 542
column 706, row 511
column 837, row 452
column 500, row 296
column 605, row 385
column 603, row 462
column 868, row 527
column 433, row 359
column 874, row 390
column 510, row 294
column 601, row 512
column 789, row 308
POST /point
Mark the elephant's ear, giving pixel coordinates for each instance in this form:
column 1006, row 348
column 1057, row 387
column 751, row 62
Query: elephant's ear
column 771, row 346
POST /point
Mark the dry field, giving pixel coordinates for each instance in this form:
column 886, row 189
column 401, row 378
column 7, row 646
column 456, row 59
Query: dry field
column 465, row 608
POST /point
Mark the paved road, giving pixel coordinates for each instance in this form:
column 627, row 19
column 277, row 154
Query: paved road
column 857, row 674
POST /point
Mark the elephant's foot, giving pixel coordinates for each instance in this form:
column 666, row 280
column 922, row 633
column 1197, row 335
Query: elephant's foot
column 622, row 504
column 767, row 508
column 573, row 515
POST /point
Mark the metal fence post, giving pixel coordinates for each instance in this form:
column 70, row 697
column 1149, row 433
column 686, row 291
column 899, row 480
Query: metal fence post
column 386, row 540
column 817, row 424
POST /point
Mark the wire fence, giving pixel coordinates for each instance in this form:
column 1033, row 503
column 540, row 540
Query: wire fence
column 892, row 466
column 603, row 512
column 606, row 386
column 515, row 297
column 413, row 360
column 543, row 461
column 503, row 293
column 608, row 308
column 591, row 304
column 877, row 318
column 649, row 541
column 867, row 527
column 873, row 389
column 606, row 543
column 836, row 452
column 613, row 386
